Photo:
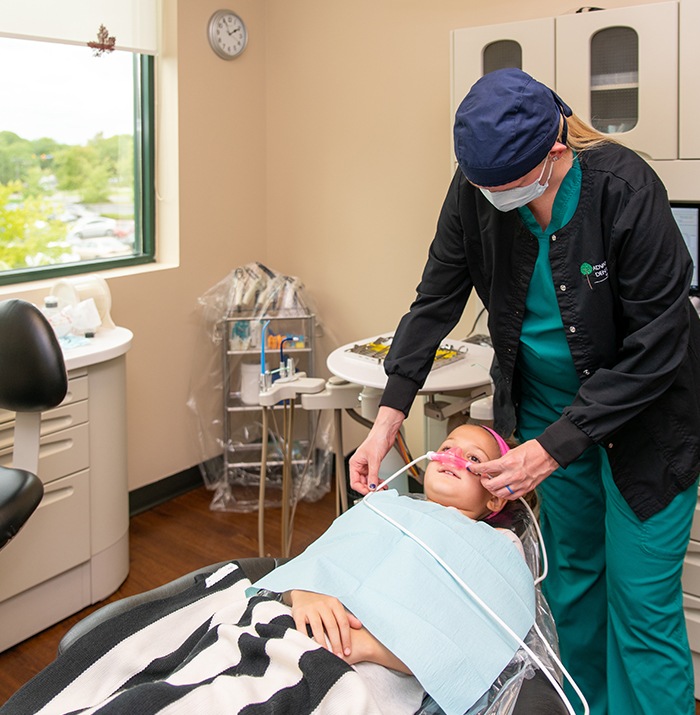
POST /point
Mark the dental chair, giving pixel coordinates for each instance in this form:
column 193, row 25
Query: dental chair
column 32, row 379
column 536, row 696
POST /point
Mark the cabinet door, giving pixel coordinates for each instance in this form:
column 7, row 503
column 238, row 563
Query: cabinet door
column 618, row 70
column 528, row 45
column 55, row 539
column 691, row 605
column 689, row 83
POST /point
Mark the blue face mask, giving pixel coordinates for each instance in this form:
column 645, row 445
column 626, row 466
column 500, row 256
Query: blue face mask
column 510, row 199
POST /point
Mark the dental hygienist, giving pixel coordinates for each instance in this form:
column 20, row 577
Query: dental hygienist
column 568, row 239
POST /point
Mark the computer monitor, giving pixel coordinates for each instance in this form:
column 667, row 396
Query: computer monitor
column 687, row 215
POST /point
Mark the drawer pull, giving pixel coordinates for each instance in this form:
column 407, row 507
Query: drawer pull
column 61, row 445
column 53, row 424
column 56, row 495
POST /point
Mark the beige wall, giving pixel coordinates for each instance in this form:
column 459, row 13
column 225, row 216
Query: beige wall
column 321, row 151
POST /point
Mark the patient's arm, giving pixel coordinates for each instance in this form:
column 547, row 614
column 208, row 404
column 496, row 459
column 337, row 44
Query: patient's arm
column 348, row 638
column 327, row 618
column 365, row 647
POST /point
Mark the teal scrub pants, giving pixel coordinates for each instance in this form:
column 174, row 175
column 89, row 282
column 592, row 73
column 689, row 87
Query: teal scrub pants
column 614, row 587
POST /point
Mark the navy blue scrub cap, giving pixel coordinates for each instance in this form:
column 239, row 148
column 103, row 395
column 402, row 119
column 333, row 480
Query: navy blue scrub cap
column 506, row 126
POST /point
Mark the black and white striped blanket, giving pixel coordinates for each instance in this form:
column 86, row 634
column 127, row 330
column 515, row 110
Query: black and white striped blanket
column 207, row 650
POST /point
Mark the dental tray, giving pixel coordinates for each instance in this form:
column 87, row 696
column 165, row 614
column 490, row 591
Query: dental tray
column 376, row 350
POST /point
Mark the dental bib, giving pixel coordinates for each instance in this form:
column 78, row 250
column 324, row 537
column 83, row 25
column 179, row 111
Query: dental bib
column 410, row 603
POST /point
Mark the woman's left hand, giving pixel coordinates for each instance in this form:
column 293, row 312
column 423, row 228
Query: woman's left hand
column 518, row 472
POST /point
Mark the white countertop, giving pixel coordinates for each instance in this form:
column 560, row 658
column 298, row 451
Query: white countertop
column 106, row 345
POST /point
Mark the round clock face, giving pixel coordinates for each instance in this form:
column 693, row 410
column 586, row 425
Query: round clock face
column 227, row 34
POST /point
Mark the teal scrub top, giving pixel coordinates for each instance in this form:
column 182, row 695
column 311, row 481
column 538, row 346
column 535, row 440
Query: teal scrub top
column 546, row 368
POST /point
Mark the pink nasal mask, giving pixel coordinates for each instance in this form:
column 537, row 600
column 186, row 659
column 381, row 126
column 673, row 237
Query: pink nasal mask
column 449, row 458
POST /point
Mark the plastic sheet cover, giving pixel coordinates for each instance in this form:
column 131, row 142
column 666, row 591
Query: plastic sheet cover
column 231, row 315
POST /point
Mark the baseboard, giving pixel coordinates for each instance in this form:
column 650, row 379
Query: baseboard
column 151, row 495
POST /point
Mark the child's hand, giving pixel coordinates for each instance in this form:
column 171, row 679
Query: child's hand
column 366, row 648
column 327, row 617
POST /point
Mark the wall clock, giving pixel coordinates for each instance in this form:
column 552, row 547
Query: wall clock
column 227, row 34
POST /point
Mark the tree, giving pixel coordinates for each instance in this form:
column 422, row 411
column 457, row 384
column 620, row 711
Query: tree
column 27, row 237
column 73, row 165
column 117, row 154
column 95, row 187
column 16, row 157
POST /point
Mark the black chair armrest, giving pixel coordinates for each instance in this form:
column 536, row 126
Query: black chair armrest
column 20, row 495
column 254, row 568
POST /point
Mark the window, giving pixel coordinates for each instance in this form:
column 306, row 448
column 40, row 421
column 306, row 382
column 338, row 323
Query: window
column 76, row 136
column 76, row 159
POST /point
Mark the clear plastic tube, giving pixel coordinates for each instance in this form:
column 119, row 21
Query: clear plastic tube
column 453, row 459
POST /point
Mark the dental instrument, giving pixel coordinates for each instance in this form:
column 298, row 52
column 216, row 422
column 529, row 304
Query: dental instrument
column 449, row 457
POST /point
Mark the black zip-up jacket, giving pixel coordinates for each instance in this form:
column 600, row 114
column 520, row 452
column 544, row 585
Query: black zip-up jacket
column 621, row 273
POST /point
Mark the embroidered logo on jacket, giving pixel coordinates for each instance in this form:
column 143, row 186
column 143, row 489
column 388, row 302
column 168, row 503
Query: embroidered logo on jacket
column 594, row 274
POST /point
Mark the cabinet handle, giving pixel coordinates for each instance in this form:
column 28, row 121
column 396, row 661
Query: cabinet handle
column 61, row 445
column 56, row 495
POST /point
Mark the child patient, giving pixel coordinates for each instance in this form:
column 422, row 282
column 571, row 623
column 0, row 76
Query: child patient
column 328, row 620
column 371, row 595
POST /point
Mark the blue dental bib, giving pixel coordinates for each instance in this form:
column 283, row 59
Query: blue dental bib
column 410, row 603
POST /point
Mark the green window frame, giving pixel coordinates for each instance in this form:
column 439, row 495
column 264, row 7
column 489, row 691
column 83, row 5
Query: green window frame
column 144, row 191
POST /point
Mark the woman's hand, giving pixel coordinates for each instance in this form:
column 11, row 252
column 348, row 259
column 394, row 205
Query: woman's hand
column 364, row 464
column 326, row 617
column 518, row 472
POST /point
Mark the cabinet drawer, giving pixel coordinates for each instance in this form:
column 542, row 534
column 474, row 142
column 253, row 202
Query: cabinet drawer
column 55, row 539
column 54, row 420
column 691, row 606
column 77, row 390
column 695, row 527
column 691, row 569
column 60, row 453
column 72, row 411
column 64, row 416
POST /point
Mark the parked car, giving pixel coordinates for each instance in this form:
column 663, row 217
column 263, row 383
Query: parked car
column 93, row 226
column 102, row 247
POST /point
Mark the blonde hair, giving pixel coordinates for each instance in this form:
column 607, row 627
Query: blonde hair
column 582, row 136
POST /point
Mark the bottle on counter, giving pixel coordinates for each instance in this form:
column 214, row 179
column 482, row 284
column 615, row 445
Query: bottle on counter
column 59, row 322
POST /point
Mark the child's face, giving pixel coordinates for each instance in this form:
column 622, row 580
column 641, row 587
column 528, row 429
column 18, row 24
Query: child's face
column 452, row 486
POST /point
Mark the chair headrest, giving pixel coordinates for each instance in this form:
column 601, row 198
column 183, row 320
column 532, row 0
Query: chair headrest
column 513, row 516
column 32, row 370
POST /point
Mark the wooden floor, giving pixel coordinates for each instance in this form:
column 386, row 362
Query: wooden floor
column 165, row 542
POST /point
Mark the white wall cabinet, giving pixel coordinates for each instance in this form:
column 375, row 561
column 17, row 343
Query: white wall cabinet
column 631, row 72
column 478, row 50
column 618, row 70
column 74, row 550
